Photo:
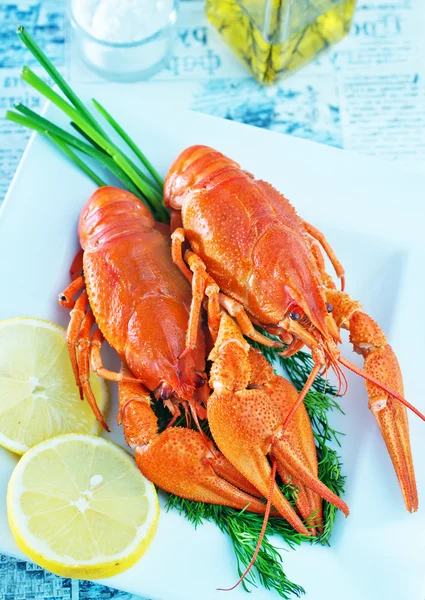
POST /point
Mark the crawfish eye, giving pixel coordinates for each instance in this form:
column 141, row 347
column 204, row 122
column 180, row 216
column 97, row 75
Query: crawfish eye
column 295, row 316
column 198, row 380
column 329, row 307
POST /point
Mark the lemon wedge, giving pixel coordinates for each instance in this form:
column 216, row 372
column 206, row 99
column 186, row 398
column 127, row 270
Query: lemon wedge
column 38, row 395
column 79, row 507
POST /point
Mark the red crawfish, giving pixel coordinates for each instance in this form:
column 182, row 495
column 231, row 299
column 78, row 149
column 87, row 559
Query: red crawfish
column 253, row 256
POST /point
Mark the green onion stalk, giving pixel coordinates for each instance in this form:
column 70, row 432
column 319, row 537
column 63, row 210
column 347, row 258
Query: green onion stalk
column 90, row 140
column 143, row 180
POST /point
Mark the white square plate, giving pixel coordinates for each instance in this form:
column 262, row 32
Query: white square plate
column 373, row 215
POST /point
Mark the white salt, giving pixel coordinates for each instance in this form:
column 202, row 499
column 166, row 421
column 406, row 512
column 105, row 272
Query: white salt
column 122, row 21
column 124, row 40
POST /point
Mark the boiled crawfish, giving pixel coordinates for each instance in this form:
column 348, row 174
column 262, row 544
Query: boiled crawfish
column 252, row 255
column 133, row 295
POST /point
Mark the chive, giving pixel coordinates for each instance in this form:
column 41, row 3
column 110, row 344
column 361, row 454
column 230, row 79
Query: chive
column 137, row 177
column 42, row 125
column 109, row 118
column 48, row 66
column 38, row 84
column 24, row 121
column 27, row 122
column 76, row 159
column 48, row 126
column 85, row 136
column 89, row 128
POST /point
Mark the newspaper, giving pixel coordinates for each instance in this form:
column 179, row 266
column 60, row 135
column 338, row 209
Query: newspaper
column 20, row 580
column 46, row 21
column 366, row 94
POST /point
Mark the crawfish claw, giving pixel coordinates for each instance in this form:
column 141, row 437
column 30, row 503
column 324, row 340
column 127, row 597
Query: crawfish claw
column 179, row 461
column 391, row 417
column 246, row 413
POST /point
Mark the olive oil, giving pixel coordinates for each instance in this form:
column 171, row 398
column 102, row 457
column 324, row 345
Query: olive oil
column 273, row 37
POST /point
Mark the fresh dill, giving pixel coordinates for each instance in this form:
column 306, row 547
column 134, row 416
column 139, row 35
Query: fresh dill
column 243, row 530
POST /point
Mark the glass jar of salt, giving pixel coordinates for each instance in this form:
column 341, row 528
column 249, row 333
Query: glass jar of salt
column 124, row 40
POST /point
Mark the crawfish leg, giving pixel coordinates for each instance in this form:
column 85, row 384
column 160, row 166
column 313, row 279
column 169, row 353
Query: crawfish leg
column 202, row 285
column 237, row 310
column 319, row 236
column 177, row 241
column 178, row 460
column 97, row 365
column 89, row 358
column 77, row 313
column 76, row 269
column 72, row 334
column 66, row 297
column 316, row 252
column 369, row 340
column 84, row 365
column 198, row 281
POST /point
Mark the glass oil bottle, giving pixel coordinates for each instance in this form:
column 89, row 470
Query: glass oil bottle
column 273, row 37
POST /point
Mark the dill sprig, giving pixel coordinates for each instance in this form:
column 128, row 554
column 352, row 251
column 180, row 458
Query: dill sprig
column 330, row 473
column 243, row 529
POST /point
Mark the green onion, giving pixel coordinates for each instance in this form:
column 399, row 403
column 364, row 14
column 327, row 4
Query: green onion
column 33, row 121
column 85, row 136
column 129, row 142
column 134, row 173
column 103, row 149
column 42, row 59
column 59, row 142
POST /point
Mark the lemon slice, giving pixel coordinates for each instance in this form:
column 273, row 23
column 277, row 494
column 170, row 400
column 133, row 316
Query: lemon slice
column 38, row 395
column 79, row 507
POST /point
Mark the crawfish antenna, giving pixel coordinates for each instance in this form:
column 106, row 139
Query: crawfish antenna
column 342, row 380
column 372, row 379
column 263, row 531
column 302, row 395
